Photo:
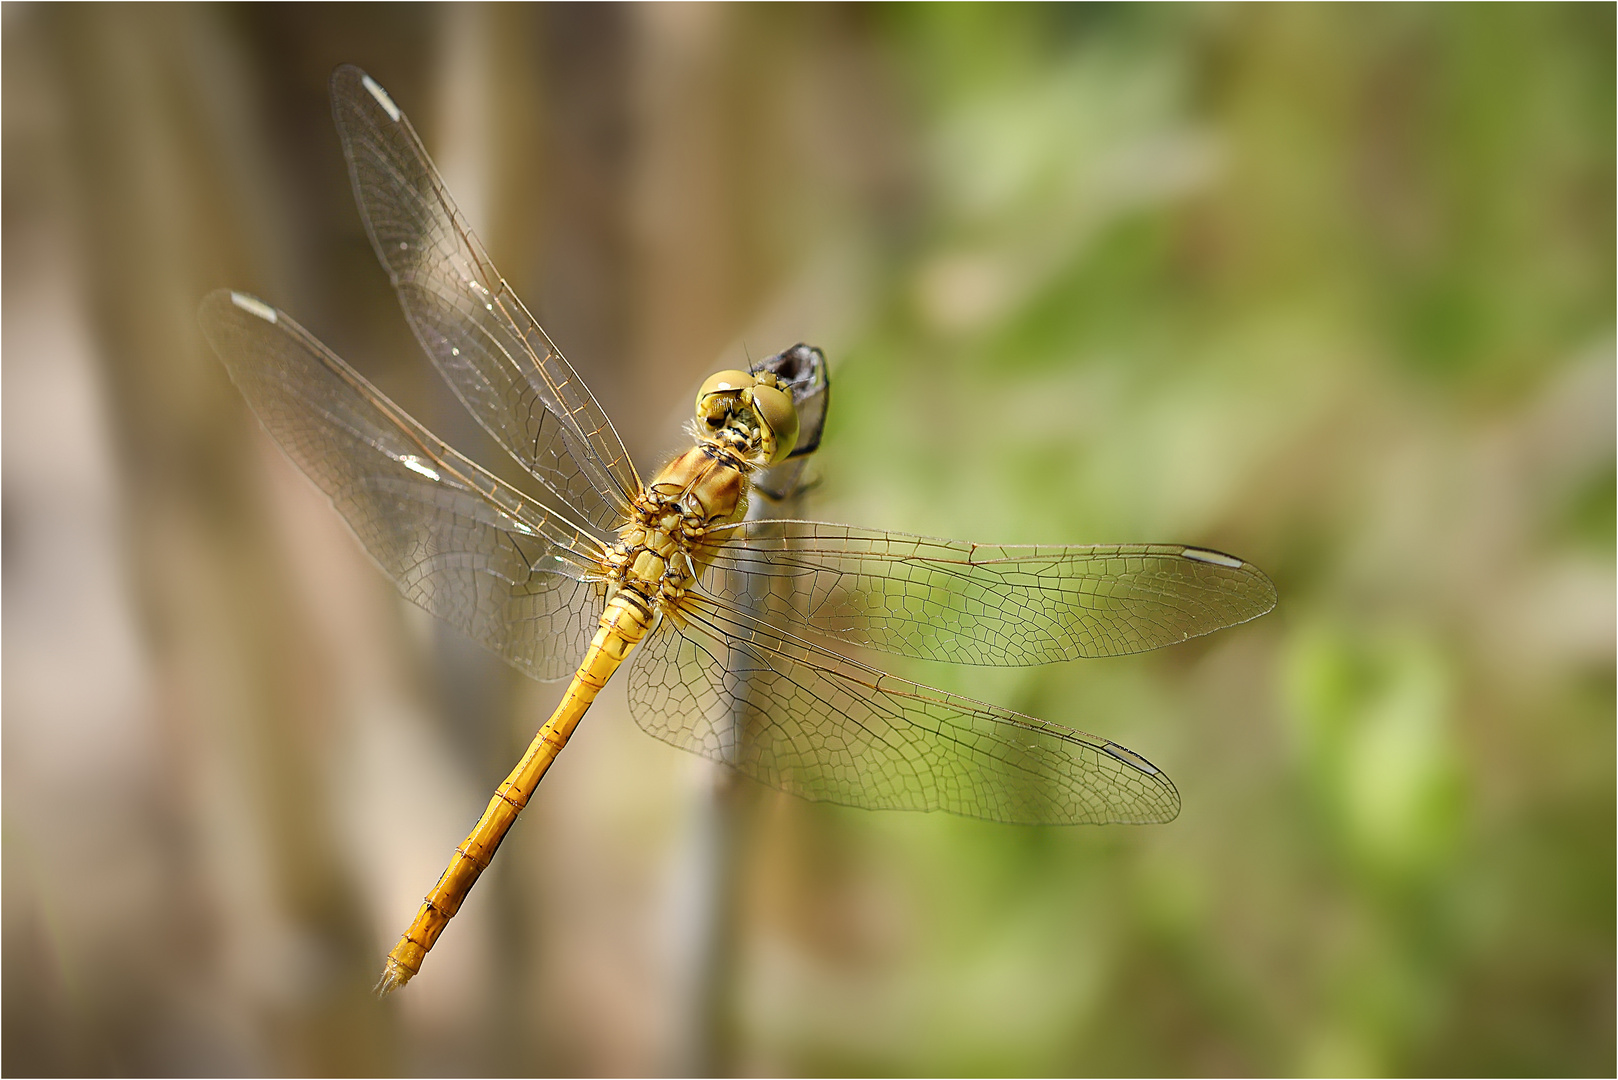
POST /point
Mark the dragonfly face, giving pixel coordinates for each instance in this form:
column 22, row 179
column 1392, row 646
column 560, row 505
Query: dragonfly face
column 750, row 414
column 736, row 633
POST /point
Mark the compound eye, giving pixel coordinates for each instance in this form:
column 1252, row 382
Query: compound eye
column 779, row 416
column 719, row 394
column 721, row 381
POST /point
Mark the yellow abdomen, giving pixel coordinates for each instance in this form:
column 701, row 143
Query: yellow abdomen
column 624, row 623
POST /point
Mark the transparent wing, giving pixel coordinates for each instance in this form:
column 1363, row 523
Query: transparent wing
column 478, row 334
column 513, row 574
column 806, row 720
column 976, row 604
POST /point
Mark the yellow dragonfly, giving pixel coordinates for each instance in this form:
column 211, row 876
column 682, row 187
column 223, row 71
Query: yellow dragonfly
column 735, row 629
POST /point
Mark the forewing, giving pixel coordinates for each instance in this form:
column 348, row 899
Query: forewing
column 808, row 721
column 509, row 572
column 978, row 604
column 480, row 336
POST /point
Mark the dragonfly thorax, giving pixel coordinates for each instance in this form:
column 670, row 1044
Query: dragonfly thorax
column 659, row 552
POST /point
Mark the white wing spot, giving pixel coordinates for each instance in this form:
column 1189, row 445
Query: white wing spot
column 253, row 306
column 413, row 463
column 1212, row 557
column 382, row 97
column 1130, row 758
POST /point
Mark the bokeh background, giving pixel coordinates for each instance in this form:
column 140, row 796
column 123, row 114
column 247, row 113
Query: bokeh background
column 1328, row 287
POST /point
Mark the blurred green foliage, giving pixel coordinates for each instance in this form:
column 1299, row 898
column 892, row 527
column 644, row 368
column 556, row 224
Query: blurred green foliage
column 1332, row 288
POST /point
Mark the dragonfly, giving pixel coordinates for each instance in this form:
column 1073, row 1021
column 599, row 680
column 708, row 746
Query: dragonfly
column 739, row 635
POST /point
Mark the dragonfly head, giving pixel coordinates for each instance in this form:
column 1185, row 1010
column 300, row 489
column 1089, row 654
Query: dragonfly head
column 751, row 414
